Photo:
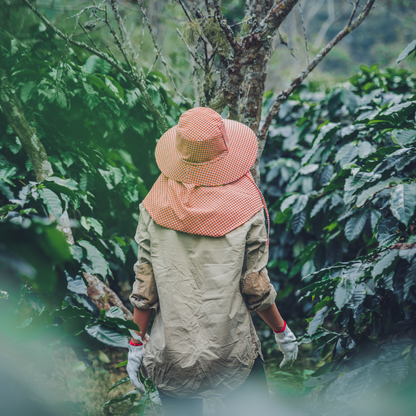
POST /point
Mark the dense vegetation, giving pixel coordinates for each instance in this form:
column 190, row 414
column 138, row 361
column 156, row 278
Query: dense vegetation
column 339, row 176
column 100, row 140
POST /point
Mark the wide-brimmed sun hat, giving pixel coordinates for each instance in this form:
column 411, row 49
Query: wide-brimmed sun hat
column 204, row 149
column 206, row 187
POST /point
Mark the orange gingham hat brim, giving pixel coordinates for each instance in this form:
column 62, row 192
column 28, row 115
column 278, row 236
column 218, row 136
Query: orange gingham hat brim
column 226, row 168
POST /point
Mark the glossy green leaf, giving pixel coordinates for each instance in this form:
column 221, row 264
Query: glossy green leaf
column 52, row 201
column 408, row 50
column 384, row 262
column 319, row 205
column 403, row 202
column 344, row 292
column 99, row 264
column 300, row 204
column 108, row 336
column 318, row 320
column 355, row 225
column 122, row 381
column 288, row 202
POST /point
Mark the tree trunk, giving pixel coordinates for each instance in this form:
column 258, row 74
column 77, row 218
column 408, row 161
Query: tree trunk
column 99, row 293
column 15, row 116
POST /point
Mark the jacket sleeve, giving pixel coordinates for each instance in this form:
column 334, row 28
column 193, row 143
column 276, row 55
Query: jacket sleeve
column 144, row 294
column 256, row 288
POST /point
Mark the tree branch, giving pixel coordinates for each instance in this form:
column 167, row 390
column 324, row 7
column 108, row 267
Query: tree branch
column 225, row 28
column 304, row 31
column 15, row 116
column 275, row 17
column 135, row 78
column 159, row 51
column 99, row 293
column 282, row 97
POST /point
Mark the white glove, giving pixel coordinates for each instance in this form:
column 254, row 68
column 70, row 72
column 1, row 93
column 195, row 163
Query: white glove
column 287, row 344
column 134, row 362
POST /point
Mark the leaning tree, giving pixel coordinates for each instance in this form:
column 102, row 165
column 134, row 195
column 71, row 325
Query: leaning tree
column 230, row 60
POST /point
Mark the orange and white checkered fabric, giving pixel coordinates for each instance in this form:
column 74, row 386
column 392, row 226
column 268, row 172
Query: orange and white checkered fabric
column 206, row 187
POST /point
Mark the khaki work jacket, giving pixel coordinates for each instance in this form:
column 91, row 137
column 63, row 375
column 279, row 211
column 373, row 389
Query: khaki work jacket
column 202, row 343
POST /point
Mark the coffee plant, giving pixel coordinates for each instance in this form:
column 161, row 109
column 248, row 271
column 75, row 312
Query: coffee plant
column 340, row 176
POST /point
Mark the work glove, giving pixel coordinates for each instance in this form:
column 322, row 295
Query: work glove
column 134, row 362
column 287, row 344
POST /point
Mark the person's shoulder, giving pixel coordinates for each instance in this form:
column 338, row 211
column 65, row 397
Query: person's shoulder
column 257, row 218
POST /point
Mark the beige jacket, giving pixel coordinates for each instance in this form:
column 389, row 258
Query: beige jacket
column 203, row 343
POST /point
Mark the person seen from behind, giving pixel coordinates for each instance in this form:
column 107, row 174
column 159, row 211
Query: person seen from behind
column 203, row 251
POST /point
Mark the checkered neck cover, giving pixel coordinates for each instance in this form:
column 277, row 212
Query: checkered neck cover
column 206, row 187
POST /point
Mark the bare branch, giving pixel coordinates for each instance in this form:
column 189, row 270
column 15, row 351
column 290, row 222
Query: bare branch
column 88, row 36
column 190, row 51
column 282, row 97
column 195, row 10
column 12, row 109
column 135, row 78
column 224, row 26
column 151, row 66
column 353, row 12
column 184, row 10
column 275, row 17
column 159, row 51
column 304, row 30
column 283, row 42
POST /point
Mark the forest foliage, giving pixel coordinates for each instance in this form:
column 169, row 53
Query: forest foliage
column 338, row 174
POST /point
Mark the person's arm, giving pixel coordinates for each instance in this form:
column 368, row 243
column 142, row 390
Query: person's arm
column 272, row 318
column 144, row 295
column 142, row 318
column 259, row 294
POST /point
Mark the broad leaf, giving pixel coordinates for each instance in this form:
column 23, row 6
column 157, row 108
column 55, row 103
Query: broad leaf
column 355, row 225
column 317, row 320
column 298, row 221
column 384, row 262
column 300, row 204
column 288, row 202
column 344, row 292
column 108, row 336
column 403, row 202
column 52, row 201
column 408, row 50
column 319, row 205
column 99, row 264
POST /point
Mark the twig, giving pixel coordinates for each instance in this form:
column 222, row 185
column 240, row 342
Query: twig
column 133, row 77
column 304, row 30
column 353, row 12
column 151, row 66
column 283, row 42
column 195, row 82
column 120, row 44
column 88, row 36
column 282, row 97
column 190, row 51
column 142, row 41
column 275, row 17
column 194, row 9
column 184, row 10
column 224, row 26
column 159, row 50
